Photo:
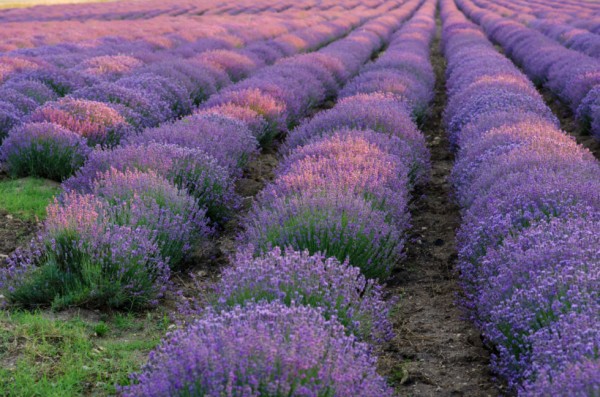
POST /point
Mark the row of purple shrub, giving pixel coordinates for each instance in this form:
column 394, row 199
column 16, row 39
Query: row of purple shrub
column 574, row 77
column 106, row 90
column 528, row 242
column 132, row 212
column 292, row 316
column 108, row 112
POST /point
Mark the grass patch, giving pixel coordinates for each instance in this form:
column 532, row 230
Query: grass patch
column 27, row 198
column 45, row 356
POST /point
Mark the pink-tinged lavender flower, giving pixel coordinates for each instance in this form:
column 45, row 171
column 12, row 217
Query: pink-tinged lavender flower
column 347, row 164
column 506, row 150
column 109, row 67
column 187, row 168
column 228, row 140
column 96, row 121
column 146, row 199
column 35, row 90
column 162, row 89
column 271, row 109
column 237, row 66
column 339, row 289
column 258, row 350
column 45, row 150
column 377, row 112
column 255, row 122
column 81, row 258
column 143, row 112
column 10, row 116
column 339, row 225
column 401, row 84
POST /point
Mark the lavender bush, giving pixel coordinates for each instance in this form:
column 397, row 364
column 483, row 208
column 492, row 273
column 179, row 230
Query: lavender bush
column 145, row 199
column 266, row 349
column 311, row 280
column 187, row 168
column 44, row 150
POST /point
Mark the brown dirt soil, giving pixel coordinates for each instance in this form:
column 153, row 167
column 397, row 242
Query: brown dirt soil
column 435, row 352
column 14, row 232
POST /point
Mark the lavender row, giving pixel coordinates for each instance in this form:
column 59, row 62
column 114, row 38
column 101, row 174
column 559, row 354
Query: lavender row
column 572, row 76
column 145, row 93
column 105, row 113
column 530, row 203
column 262, row 297
column 556, row 28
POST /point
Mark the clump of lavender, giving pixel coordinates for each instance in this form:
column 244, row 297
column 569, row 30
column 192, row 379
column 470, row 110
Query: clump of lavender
column 266, row 105
column 35, row 90
column 146, row 199
column 253, row 120
column 162, row 89
column 143, row 111
column 340, row 225
column 346, row 163
column 190, row 169
column 96, row 121
column 311, row 280
column 228, row 140
column 376, row 112
column 45, row 150
column 260, row 350
column 81, row 258
column 10, row 116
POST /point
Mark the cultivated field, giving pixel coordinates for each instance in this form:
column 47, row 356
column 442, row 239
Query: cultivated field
column 300, row 198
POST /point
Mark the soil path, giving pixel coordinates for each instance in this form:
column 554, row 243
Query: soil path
column 435, row 352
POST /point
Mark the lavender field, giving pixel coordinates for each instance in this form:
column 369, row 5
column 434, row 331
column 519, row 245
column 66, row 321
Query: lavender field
column 300, row 198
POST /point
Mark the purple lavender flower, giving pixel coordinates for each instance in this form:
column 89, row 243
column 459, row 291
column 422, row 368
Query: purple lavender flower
column 9, row 117
column 161, row 89
column 35, row 90
column 81, row 258
column 255, row 122
column 145, row 199
column 45, row 150
column 581, row 379
column 292, row 276
column 187, row 168
column 228, row 140
column 143, row 112
column 265, row 349
column 338, row 225
column 377, row 112
column 346, row 163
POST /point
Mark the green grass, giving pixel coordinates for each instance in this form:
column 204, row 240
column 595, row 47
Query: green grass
column 27, row 198
column 44, row 356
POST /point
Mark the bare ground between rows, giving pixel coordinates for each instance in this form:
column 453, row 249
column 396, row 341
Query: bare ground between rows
column 435, row 352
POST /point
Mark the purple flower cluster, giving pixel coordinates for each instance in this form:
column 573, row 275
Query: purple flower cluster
column 187, row 168
column 45, row 150
column 226, row 139
column 146, row 199
column 263, row 349
column 81, row 258
column 530, row 199
column 570, row 74
column 297, row 277
column 96, row 121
